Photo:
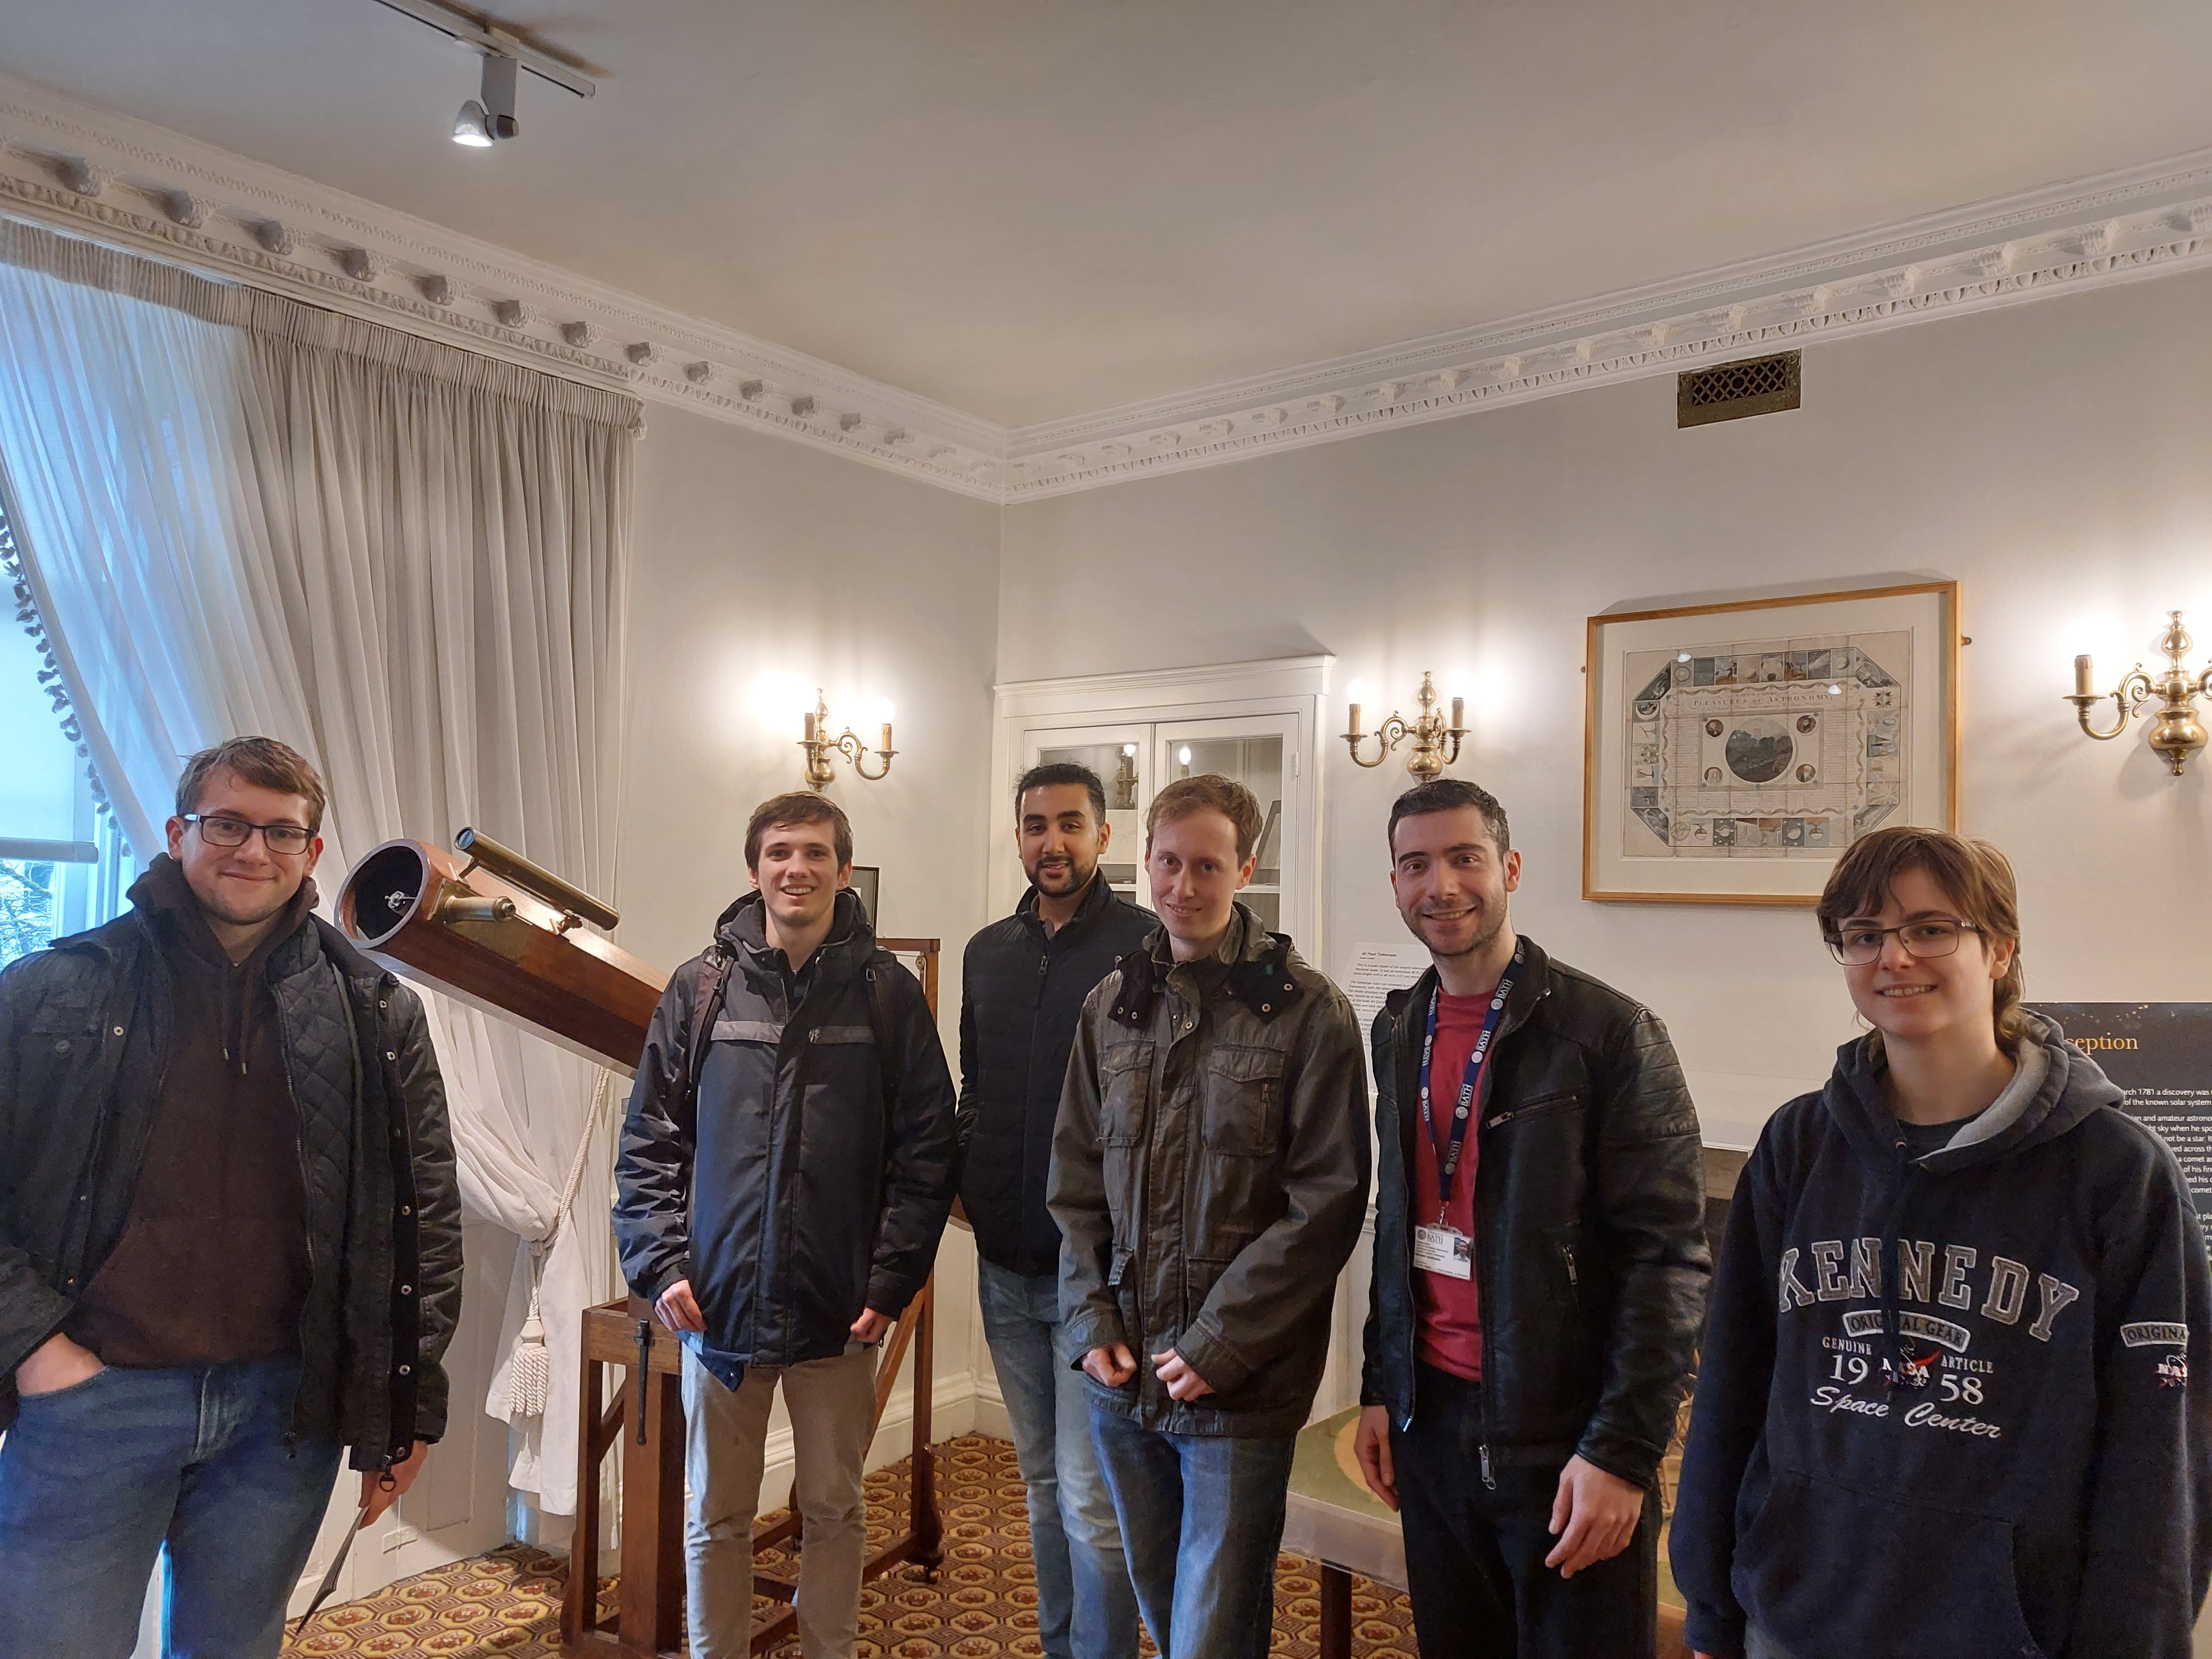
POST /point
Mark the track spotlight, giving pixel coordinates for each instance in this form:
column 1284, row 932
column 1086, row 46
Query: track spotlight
column 471, row 127
column 483, row 121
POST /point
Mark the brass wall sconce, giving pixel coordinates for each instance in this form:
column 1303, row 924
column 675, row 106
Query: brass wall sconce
column 820, row 747
column 1436, row 745
column 2175, row 731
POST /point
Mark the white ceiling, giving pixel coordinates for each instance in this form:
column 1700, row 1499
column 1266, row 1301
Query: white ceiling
column 1032, row 210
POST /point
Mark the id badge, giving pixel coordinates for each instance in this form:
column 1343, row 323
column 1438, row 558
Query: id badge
column 1443, row 1250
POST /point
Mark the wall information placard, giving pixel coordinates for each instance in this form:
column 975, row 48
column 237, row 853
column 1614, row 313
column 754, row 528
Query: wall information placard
column 2161, row 1054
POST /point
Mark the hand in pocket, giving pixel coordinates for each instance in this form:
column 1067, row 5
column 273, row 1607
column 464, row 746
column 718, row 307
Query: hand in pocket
column 55, row 1364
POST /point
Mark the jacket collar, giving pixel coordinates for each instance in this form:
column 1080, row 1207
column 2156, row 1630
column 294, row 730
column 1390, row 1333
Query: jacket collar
column 742, row 931
column 171, row 911
column 1532, row 983
column 1259, row 971
column 1095, row 898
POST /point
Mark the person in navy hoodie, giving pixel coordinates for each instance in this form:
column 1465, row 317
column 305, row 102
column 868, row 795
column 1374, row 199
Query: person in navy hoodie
column 1955, row 1396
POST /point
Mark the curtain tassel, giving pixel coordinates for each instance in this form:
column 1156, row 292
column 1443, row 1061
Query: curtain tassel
column 529, row 1372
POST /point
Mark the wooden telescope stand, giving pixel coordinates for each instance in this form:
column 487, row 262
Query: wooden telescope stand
column 649, row 1611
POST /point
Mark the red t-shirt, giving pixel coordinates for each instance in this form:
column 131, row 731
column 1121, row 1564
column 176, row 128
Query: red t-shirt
column 1448, row 1315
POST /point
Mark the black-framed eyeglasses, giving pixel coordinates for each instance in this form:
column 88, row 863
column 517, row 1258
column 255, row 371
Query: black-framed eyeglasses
column 221, row 830
column 1929, row 937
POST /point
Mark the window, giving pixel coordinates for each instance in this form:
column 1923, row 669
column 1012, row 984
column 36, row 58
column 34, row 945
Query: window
column 63, row 864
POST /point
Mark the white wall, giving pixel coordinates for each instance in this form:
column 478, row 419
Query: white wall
column 756, row 557
column 2052, row 458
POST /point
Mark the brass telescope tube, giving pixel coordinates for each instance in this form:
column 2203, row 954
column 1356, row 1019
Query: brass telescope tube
column 502, row 934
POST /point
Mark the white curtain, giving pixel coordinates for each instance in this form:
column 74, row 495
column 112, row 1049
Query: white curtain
column 243, row 514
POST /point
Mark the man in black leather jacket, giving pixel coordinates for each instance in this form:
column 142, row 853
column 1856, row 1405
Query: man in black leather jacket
column 1023, row 984
column 230, row 1239
column 785, row 1172
column 1541, row 1265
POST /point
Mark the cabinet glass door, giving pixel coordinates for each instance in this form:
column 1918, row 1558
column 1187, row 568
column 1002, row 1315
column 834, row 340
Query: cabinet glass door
column 1120, row 755
column 1260, row 752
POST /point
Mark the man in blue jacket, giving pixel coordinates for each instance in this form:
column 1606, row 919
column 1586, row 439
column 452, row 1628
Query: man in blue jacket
column 1022, row 983
column 785, row 1169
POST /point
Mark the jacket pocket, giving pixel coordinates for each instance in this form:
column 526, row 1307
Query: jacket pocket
column 1825, row 1570
column 1542, row 1106
column 1242, row 1101
column 1125, row 1079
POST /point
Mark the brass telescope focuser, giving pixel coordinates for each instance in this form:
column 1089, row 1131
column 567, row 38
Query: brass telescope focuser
column 576, row 905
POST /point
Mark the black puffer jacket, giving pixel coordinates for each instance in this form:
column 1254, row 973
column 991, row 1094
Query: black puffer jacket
column 84, row 1029
column 1022, row 991
column 1590, row 1255
column 787, row 1191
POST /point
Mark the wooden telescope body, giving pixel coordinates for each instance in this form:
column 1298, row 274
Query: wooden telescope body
column 493, row 941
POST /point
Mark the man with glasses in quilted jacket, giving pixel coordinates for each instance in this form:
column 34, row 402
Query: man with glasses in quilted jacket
column 230, row 1243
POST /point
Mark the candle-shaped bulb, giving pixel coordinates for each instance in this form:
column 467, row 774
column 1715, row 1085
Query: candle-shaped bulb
column 2085, row 680
column 1359, row 694
column 1459, row 714
column 813, row 730
column 884, row 714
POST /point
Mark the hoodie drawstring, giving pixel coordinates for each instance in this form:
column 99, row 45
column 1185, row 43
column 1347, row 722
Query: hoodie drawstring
column 1893, row 1226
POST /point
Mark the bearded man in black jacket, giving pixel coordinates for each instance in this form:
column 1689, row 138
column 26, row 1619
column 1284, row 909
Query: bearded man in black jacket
column 785, row 1173
column 1023, row 981
column 1541, row 1265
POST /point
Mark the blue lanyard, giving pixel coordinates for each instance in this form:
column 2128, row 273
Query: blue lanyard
column 1448, row 1166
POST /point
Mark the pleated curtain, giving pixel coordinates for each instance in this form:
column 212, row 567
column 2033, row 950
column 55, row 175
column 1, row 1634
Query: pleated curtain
column 240, row 513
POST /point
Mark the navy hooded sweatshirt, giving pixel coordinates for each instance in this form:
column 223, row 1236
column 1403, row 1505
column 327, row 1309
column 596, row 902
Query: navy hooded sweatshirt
column 1959, row 1404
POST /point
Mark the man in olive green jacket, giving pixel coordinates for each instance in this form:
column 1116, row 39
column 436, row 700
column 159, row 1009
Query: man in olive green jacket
column 1209, row 1176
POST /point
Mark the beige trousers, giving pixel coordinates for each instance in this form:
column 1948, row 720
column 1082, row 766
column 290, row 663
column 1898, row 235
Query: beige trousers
column 832, row 1405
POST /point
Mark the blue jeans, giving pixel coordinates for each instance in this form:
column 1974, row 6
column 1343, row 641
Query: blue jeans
column 1204, row 1517
column 1085, row 1607
column 95, row 1478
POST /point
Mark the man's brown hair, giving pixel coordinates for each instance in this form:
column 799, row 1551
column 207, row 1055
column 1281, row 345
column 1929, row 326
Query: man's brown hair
column 799, row 806
column 262, row 761
column 1209, row 792
column 1974, row 876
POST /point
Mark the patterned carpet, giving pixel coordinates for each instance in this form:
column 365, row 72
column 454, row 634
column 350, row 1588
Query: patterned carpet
column 983, row 1604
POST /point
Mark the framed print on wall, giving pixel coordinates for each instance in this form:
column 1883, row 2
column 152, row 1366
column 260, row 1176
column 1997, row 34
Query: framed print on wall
column 1731, row 752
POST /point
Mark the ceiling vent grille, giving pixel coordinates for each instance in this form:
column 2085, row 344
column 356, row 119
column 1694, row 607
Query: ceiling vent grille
column 1757, row 385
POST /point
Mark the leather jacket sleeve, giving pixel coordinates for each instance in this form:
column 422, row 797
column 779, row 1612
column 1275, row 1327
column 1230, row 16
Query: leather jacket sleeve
column 1650, row 1187
column 920, row 1153
column 1257, row 1308
column 1075, row 1193
column 30, row 1309
column 437, row 1209
column 653, row 1168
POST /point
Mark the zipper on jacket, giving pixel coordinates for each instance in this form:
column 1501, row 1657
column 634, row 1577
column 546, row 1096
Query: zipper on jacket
column 1483, row 1451
column 1567, row 1255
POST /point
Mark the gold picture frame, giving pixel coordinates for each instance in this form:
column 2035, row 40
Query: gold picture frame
column 1731, row 751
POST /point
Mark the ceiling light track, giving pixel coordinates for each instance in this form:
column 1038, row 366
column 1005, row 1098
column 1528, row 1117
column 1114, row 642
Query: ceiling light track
column 494, row 42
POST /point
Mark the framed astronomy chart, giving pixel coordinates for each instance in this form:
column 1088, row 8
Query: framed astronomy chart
column 1731, row 752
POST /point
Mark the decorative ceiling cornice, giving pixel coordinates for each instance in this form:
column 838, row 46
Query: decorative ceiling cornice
column 93, row 172
column 2116, row 228
column 81, row 169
